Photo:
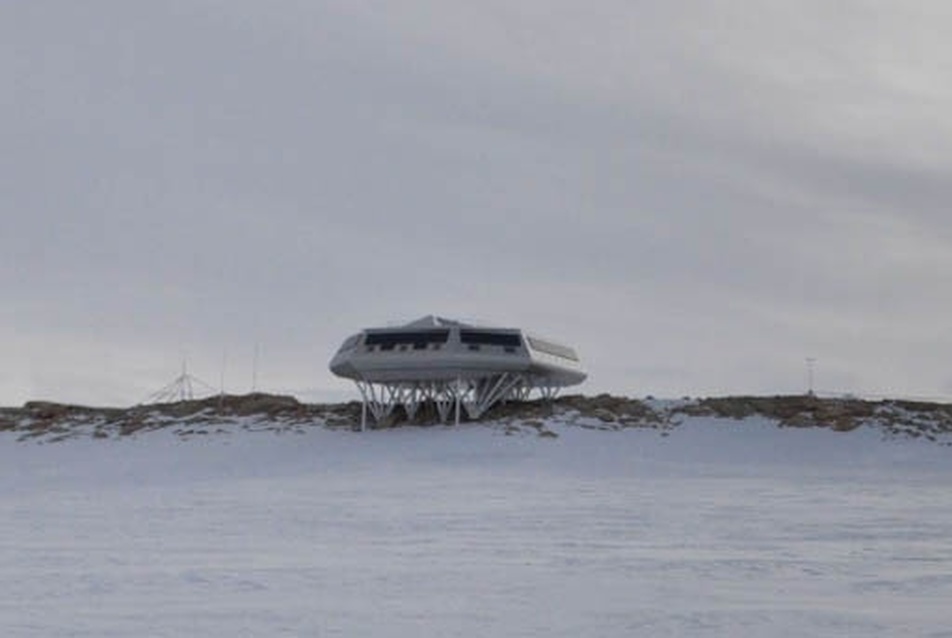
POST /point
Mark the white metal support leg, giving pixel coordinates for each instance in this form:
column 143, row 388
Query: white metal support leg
column 476, row 396
column 489, row 391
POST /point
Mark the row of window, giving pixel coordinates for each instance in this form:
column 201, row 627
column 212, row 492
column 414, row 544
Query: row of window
column 405, row 347
column 483, row 337
column 422, row 339
column 474, row 340
column 414, row 338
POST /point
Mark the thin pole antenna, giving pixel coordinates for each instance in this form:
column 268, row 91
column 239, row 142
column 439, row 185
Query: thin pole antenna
column 811, row 363
column 254, row 369
column 221, row 379
column 185, row 385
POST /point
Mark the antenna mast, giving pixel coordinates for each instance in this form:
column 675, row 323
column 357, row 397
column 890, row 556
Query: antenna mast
column 181, row 389
column 254, row 369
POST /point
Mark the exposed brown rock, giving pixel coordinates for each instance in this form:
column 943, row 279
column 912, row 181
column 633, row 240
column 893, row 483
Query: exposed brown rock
column 49, row 421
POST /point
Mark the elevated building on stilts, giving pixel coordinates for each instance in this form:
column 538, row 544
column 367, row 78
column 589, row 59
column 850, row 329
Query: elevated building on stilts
column 452, row 366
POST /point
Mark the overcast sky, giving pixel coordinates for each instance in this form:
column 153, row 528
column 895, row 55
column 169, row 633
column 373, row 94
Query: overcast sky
column 697, row 195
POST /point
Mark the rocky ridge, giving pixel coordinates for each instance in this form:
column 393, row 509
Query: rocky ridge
column 47, row 422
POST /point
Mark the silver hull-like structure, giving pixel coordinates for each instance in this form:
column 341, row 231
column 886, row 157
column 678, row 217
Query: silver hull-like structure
column 454, row 367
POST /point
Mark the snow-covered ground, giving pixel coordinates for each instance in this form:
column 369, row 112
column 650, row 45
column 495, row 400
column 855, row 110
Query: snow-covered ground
column 711, row 529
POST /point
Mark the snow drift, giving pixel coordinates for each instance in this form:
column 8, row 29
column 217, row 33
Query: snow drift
column 701, row 525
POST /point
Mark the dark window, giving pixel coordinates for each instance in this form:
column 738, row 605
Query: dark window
column 387, row 340
column 473, row 346
column 488, row 338
column 419, row 345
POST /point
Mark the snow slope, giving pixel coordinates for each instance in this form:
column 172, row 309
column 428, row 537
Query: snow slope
column 711, row 529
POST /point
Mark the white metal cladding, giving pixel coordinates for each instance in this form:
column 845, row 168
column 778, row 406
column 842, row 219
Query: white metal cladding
column 453, row 366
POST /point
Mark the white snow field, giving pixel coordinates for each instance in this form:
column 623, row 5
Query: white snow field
column 717, row 529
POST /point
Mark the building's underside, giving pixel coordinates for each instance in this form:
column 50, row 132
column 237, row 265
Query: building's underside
column 449, row 399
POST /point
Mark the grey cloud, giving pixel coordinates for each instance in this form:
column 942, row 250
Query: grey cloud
column 729, row 187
